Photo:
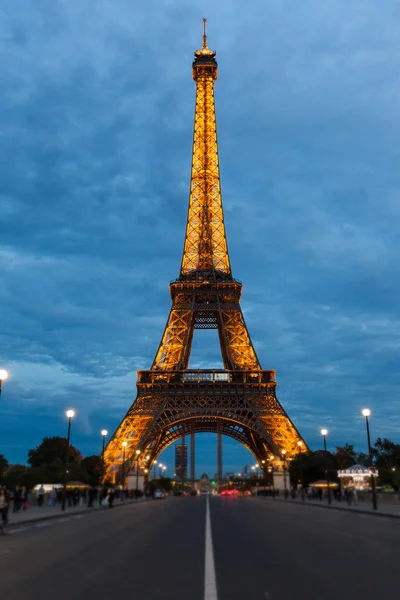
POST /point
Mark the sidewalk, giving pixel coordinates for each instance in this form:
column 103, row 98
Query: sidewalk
column 43, row 513
column 384, row 509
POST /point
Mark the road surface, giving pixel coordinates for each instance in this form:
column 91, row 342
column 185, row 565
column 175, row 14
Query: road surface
column 247, row 549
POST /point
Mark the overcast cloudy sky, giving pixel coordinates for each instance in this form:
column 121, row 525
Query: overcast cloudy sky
column 96, row 118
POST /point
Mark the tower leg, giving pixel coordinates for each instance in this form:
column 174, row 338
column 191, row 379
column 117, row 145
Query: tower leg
column 192, row 456
column 219, row 452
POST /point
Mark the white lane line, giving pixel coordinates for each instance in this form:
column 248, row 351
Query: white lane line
column 42, row 524
column 12, row 531
column 210, row 584
column 63, row 520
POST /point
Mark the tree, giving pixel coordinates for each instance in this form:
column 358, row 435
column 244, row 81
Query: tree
column 362, row 459
column 3, row 465
column 345, row 456
column 52, row 449
column 92, row 469
column 14, row 475
column 386, row 455
column 309, row 467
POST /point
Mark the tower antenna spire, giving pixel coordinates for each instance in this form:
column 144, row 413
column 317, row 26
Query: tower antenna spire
column 204, row 34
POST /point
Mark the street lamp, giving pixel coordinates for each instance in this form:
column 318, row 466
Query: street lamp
column 104, row 432
column 299, row 445
column 366, row 413
column 3, row 376
column 324, row 433
column 70, row 415
column 271, row 470
column 137, row 473
column 160, row 466
column 124, row 445
column 154, row 469
column 284, row 473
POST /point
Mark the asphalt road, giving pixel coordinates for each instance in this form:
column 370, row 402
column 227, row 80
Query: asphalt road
column 159, row 550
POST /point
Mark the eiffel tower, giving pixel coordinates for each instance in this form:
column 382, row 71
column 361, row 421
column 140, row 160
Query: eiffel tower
column 173, row 401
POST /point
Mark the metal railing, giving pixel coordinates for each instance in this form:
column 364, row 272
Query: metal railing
column 216, row 376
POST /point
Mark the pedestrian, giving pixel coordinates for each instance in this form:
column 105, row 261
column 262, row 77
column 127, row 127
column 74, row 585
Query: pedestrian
column 40, row 495
column 111, row 496
column 25, row 498
column 52, row 497
column 91, row 493
column 17, row 499
column 4, row 506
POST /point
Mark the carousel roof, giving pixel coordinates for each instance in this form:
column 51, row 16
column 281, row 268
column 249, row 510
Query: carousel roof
column 355, row 469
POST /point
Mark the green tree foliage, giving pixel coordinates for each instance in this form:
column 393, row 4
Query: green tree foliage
column 3, row 465
column 362, row 459
column 386, row 457
column 308, row 467
column 15, row 476
column 92, row 469
column 50, row 450
column 345, row 456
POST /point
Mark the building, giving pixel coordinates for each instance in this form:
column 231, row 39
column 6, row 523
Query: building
column 181, row 462
column 203, row 485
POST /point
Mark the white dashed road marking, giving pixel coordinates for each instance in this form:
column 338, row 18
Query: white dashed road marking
column 210, row 585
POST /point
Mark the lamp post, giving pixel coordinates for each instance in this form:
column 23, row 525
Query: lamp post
column 271, row 458
column 154, row 469
column 284, row 473
column 160, row 466
column 324, row 433
column 263, row 471
column 299, row 445
column 137, row 473
column 124, row 445
column 104, row 433
column 3, row 376
column 70, row 415
column 366, row 413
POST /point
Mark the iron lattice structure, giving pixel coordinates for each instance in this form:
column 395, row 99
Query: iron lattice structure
column 173, row 401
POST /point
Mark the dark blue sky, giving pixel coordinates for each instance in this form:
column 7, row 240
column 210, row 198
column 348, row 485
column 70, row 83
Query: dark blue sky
column 96, row 118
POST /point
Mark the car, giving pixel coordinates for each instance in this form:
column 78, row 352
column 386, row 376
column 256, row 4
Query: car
column 233, row 492
column 159, row 495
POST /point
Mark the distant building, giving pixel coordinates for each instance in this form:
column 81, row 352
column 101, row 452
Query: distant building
column 181, row 462
column 203, row 485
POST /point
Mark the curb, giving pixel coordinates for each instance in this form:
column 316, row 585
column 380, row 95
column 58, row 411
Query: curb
column 66, row 513
column 340, row 509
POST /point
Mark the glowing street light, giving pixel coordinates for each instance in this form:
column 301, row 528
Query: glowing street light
column 324, row 433
column 300, row 447
column 104, row 433
column 3, row 377
column 366, row 413
column 124, row 445
column 284, row 473
column 137, row 452
column 70, row 415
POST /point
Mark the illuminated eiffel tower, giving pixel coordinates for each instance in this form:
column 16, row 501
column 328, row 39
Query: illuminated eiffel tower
column 173, row 401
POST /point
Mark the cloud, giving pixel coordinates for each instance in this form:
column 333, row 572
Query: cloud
column 96, row 120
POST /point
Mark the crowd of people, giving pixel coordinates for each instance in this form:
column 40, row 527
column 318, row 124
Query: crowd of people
column 19, row 499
